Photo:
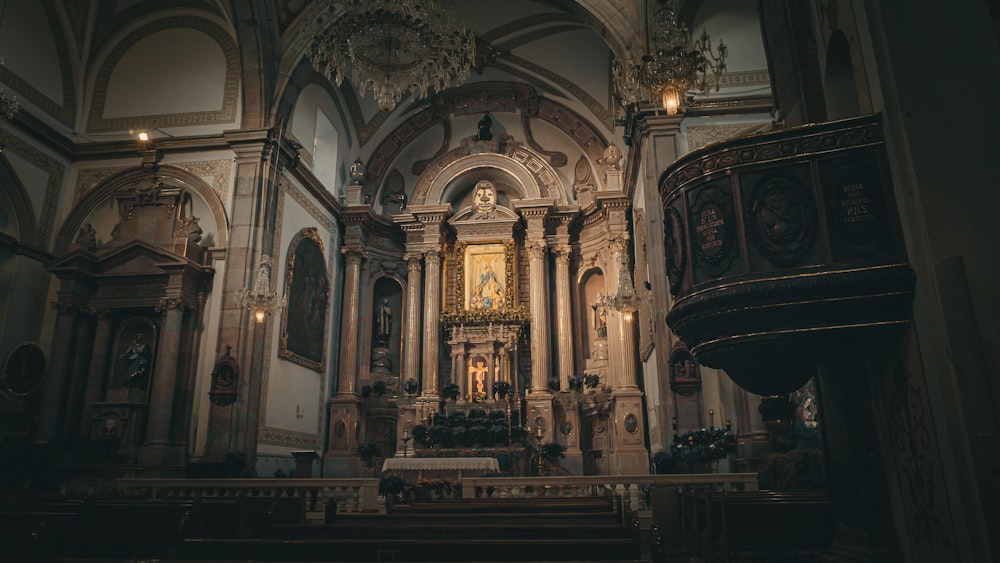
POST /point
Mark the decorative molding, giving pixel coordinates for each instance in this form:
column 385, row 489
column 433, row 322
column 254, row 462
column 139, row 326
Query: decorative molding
column 226, row 114
column 606, row 115
column 700, row 136
column 310, row 207
column 279, row 437
column 473, row 99
column 65, row 113
column 54, row 169
column 218, row 170
column 745, row 78
column 511, row 28
column 88, row 178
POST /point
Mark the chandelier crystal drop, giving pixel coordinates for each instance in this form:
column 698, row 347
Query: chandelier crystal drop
column 393, row 48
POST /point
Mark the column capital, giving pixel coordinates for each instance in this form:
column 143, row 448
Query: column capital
column 168, row 304
column 413, row 260
column 536, row 249
column 354, row 255
column 562, row 253
column 64, row 307
column 432, row 257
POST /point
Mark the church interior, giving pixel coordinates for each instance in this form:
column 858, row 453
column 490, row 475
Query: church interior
column 716, row 254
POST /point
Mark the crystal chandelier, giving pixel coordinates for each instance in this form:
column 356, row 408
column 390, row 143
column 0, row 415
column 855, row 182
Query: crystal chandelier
column 674, row 66
column 625, row 300
column 261, row 300
column 393, row 47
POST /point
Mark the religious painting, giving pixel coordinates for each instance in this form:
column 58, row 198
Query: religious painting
column 133, row 354
column 307, row 287
column 485, row 270
column 23, row 370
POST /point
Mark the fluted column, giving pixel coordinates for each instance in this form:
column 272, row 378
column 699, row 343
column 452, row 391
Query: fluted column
column 627, row 379
column 411, row 347
column 564, row 318
column 97, row 374
column 538, row 303
column 161, row 400
column 432, row 308
column 55, row 381
column 348, row 371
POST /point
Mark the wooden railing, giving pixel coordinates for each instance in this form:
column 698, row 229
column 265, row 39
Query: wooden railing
column 348, row 495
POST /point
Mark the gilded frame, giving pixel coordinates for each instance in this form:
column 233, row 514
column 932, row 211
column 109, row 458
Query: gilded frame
column 481, row 268
column 307, row 286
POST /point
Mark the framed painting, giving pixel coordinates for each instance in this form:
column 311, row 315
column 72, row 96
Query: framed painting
column 307, row 286
column 488, row 271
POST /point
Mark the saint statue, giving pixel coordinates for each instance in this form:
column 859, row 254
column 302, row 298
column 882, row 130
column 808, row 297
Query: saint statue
column 485, row 128
column 87, row 238
column 136, row 363
column 384, row 328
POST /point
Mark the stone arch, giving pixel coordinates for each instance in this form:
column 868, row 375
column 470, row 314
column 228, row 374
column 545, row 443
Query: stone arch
column 227, row 114
column 170, row 174
column 28, row 232
column 537, row 178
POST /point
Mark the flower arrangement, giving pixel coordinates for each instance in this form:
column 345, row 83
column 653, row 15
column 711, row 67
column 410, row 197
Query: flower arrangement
column 576, row 383
column 554, row 384
column 379, row 388
column 703, row 446
column 591, row 380
column 478, row 428
column 501, row 389
column 450, row 392
column 368, row 451
column 451, row 317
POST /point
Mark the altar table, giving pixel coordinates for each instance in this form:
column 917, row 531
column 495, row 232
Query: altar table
column 450, row 468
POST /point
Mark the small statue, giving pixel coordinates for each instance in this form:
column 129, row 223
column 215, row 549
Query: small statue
column 87, row 238
column 612, row 158
column 485, row 128
column 358, row 172
column 190, row 229
column 136, row 363
column 384, row 323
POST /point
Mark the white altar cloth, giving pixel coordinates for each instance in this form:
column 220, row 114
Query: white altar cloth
column 452, row 466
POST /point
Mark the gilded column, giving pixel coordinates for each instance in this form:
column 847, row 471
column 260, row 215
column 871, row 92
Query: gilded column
column 55, row 381
column 564, row 318
column 97, row 374
column 348, row 371
column 161, row 399
column 411, row 348
column 538, row 304
column 432, row 308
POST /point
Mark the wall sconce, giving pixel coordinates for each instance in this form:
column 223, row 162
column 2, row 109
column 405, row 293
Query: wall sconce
column 261, row 300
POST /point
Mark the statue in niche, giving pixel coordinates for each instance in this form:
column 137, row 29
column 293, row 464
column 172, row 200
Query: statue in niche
column 137, row 363
column 87, row 238
column 484, row 200
column 484, row 129
column 601, row 316
column 384, row 327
